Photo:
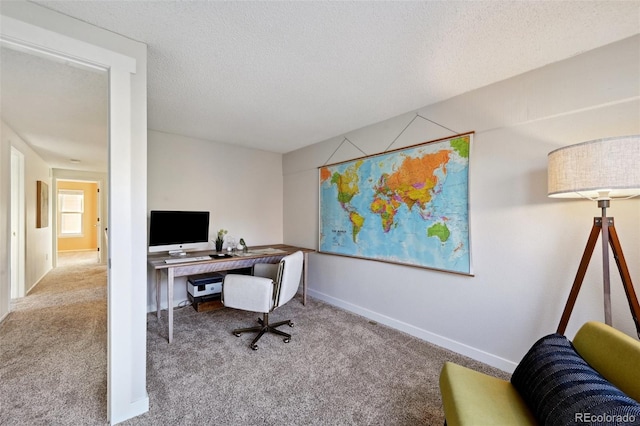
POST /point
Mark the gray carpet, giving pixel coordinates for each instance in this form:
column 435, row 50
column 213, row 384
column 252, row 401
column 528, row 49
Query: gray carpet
column 338, row 369
column 53, row 353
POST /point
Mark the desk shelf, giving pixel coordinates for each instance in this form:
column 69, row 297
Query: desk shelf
column 209, row 305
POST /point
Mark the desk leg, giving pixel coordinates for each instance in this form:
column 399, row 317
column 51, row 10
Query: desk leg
column 170, row 301
column 158, row 290
column 305, row 270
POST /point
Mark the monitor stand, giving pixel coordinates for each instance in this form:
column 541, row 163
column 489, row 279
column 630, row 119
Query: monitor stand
column 177, row 253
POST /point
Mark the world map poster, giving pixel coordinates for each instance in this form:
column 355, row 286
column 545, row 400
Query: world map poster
column 408, row 206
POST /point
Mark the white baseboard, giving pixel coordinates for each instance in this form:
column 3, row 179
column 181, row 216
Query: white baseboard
column 38, row 281
column 134, row 409
column 436, row 339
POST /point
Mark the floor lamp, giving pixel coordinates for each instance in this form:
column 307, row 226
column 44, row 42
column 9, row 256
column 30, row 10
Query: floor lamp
column 599, row 170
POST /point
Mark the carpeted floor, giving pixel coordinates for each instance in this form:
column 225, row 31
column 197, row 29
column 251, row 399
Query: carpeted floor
column 338, row 369
column 53, row 354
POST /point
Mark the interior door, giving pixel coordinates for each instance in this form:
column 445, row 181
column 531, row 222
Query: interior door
column 17, row 224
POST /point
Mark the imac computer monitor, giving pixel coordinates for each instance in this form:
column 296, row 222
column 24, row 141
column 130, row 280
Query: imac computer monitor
column 177, row 231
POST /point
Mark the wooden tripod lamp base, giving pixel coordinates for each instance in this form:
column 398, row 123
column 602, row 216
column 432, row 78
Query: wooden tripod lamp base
column 605, row 226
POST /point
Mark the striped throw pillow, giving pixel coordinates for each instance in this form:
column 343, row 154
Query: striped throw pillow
column 560, row 388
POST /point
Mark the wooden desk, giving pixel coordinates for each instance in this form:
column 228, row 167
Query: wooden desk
column 258, row 254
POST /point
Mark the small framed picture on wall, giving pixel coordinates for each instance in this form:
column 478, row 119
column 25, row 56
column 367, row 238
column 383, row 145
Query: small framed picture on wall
column 42, row 212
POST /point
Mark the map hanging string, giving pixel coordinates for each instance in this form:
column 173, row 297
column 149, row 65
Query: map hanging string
column 393, row 141
column 411, row 122
column 341, row 143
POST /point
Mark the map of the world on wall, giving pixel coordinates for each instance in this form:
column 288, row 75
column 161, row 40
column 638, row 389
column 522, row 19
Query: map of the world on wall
column 408, row 206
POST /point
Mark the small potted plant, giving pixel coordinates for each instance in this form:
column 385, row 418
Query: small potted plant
column 220, row 239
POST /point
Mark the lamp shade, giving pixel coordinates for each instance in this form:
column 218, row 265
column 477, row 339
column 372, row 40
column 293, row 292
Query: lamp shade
column 602, row 168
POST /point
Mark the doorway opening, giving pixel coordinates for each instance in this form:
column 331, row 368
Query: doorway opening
column 78, row 228
column 124, row 62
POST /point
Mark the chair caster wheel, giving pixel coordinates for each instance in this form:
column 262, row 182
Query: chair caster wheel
column 286, row 340
column 290, row 324
column 254, row 347
column 237, row 334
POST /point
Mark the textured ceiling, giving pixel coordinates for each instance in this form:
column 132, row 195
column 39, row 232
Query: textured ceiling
column 282, row 75
column 60, row 110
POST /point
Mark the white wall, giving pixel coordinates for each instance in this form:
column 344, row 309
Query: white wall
column 38, row 257
column 241, row 187
column 526, row 247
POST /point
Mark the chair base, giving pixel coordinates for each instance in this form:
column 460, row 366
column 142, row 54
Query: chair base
column 265, row 327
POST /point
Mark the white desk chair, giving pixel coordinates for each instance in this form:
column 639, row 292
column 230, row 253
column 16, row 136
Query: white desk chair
column 271, row 286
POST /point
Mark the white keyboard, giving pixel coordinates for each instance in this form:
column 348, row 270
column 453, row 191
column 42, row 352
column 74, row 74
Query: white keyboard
column 187, row 259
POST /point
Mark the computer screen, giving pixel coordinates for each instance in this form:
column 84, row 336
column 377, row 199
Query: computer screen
column 176, row 231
